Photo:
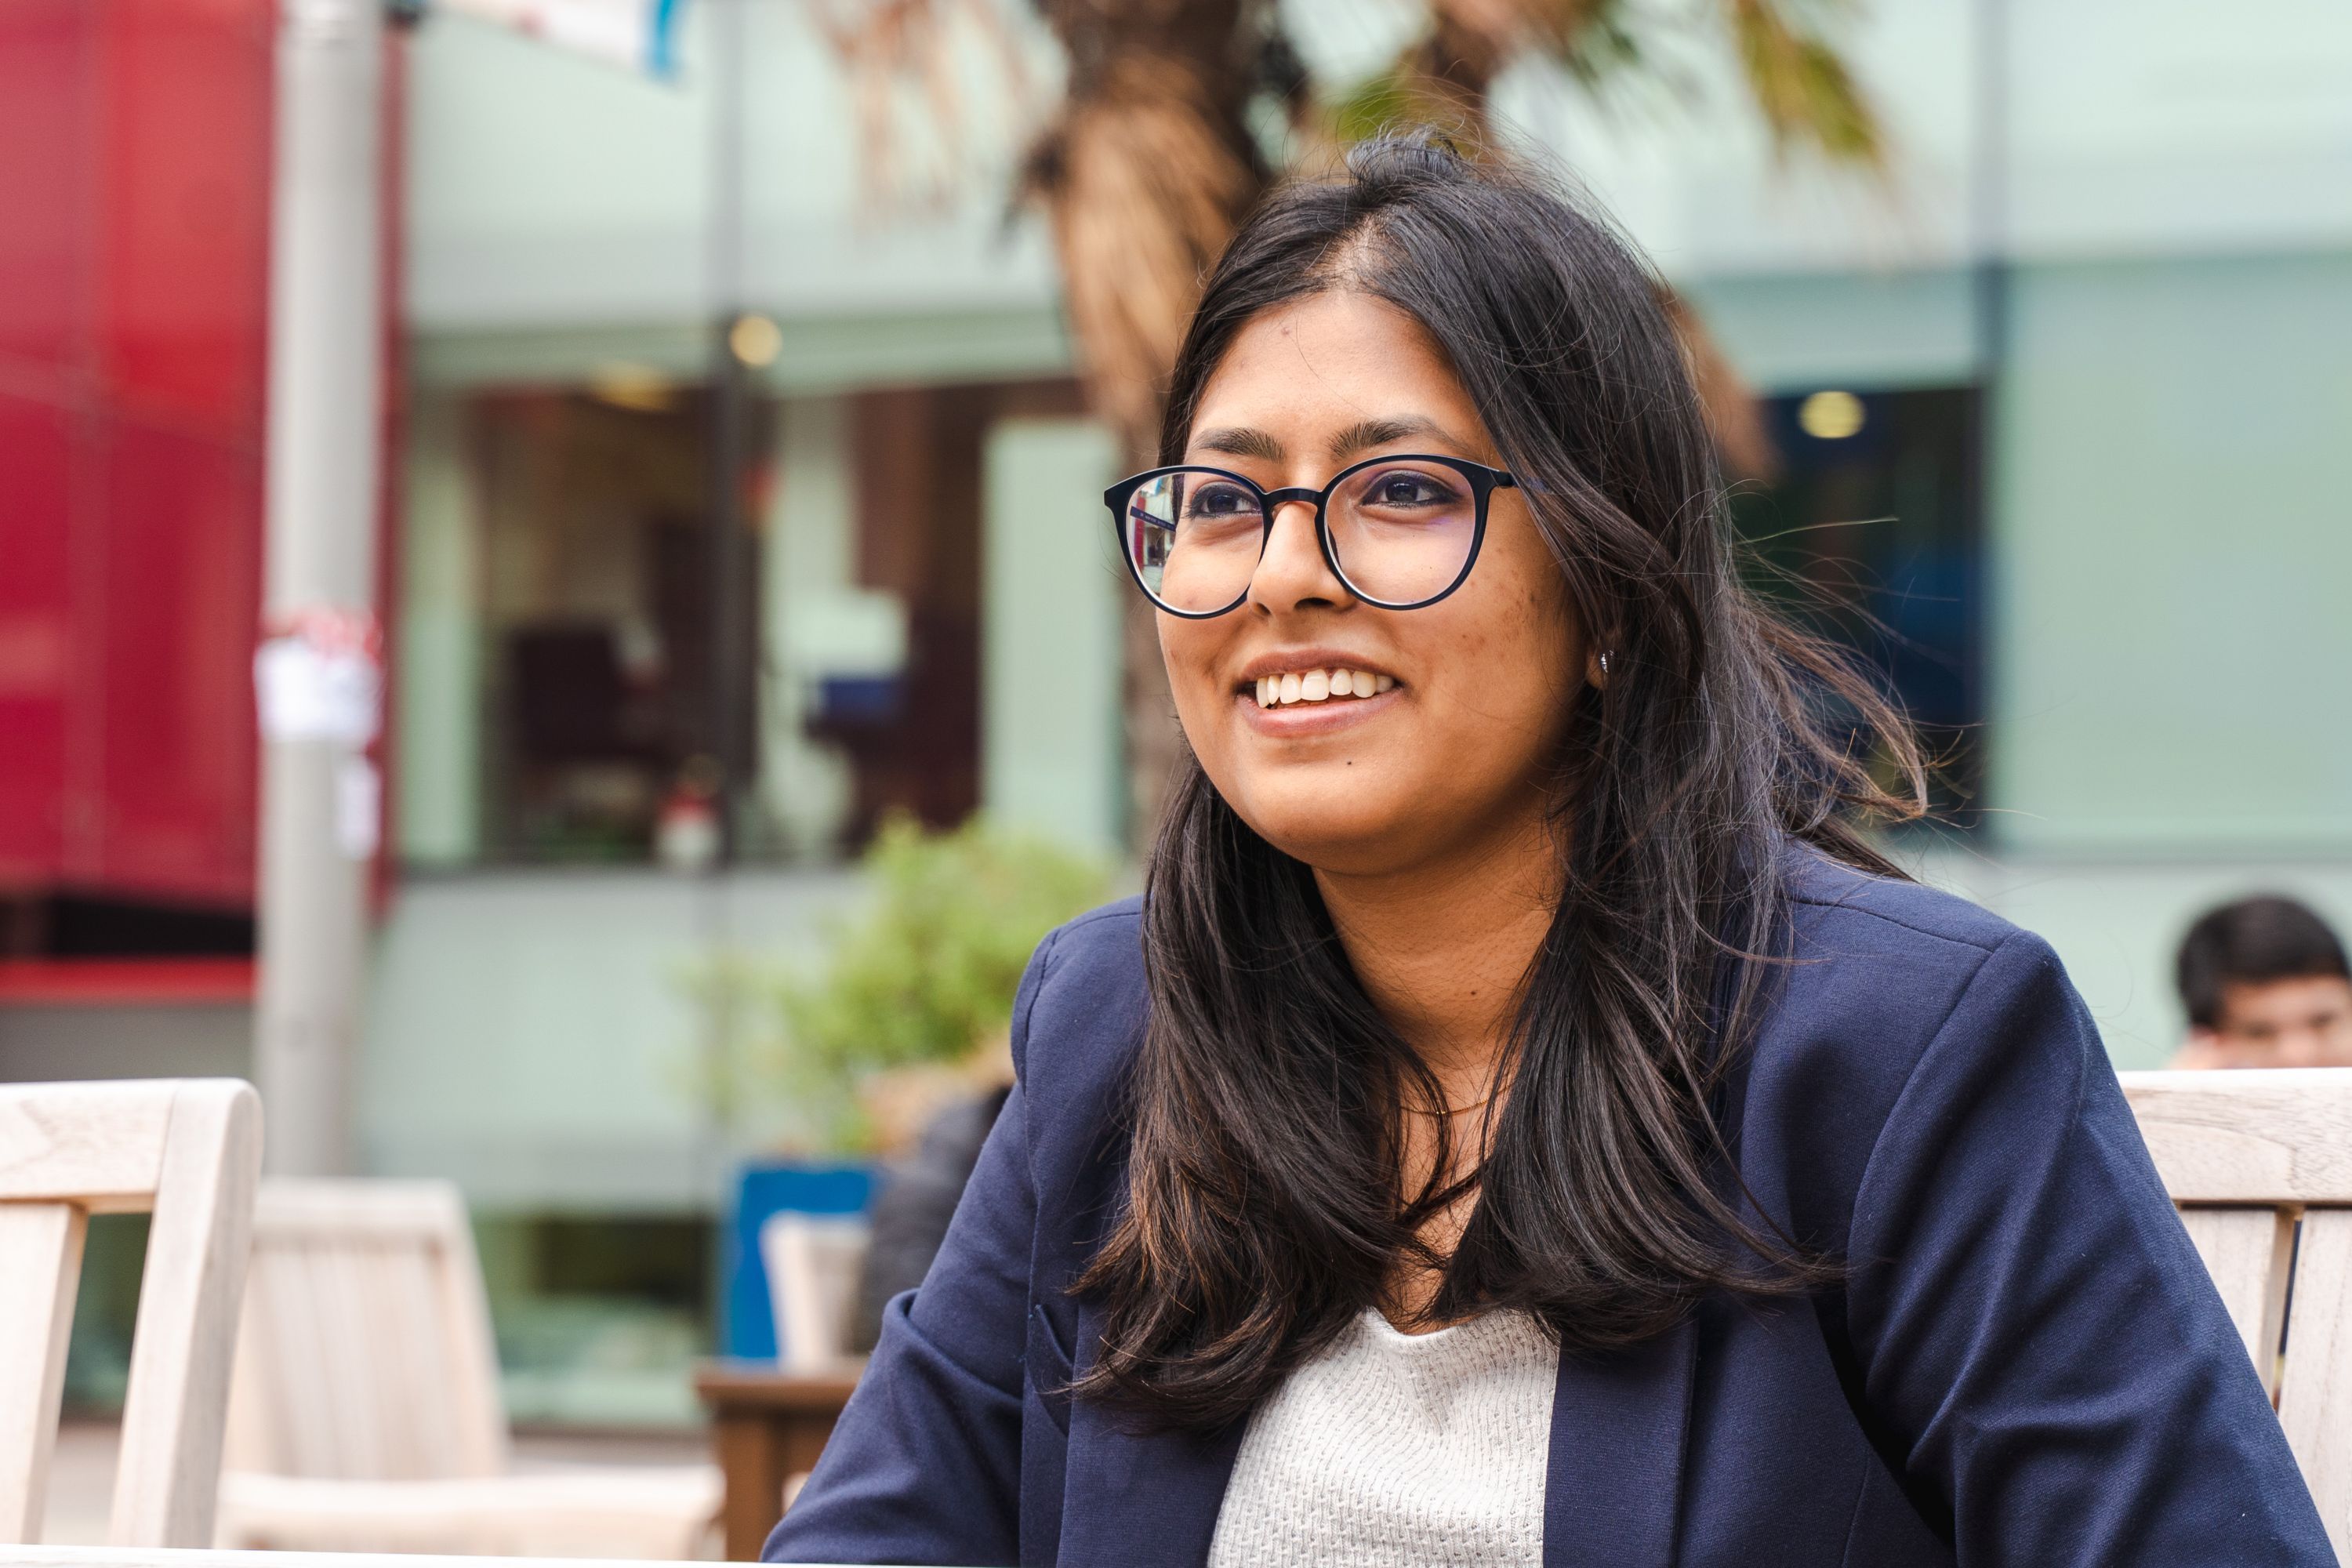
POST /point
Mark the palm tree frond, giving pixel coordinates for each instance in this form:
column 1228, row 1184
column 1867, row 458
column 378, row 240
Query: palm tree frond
column 1143, row 192
column 888, row 46
column 1802, row 85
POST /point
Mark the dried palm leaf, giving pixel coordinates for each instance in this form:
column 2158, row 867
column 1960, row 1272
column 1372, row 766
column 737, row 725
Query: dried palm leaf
column 890, row 45
column 1801, row 84
column 1142, row 192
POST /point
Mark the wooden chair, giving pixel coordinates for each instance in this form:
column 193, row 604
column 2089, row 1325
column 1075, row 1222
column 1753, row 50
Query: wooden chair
column 366, row 1412
column 189, row 1151
column 2248, row 1156
column 812, row 1262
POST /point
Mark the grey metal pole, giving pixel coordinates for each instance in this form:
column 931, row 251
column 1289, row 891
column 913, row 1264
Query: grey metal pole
column 734, row 648
column 316, row 674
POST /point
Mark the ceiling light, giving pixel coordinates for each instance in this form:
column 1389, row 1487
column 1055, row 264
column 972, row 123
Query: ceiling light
column 1829, row 416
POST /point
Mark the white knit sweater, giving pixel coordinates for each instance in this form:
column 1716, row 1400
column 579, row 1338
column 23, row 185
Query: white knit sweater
column 1393, row 1450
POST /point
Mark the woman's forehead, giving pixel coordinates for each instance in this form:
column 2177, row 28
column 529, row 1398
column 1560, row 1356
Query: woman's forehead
column 1335, row 367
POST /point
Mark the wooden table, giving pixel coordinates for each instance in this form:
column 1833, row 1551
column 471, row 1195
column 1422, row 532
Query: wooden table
column 766, row 1425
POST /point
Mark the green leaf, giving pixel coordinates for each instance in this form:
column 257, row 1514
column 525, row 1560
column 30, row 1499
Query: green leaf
column 1801, row 83
column 925, row 971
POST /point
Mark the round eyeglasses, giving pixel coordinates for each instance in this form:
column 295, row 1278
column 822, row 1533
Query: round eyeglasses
column 1399, row 531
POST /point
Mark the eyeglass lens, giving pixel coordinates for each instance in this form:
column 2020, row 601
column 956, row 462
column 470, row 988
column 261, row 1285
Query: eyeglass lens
column 1400, row 532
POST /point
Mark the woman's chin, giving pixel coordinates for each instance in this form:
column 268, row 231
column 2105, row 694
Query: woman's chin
column 1330, row 833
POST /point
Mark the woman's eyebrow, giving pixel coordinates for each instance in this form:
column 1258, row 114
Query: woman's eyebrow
column 1367, row 433
column 1240, row 441
column 1247, row 441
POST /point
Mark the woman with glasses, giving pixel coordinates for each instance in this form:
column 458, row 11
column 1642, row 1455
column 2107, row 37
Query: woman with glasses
column 1526, row 1120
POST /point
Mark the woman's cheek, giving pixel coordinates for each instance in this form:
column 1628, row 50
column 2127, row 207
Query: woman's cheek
column 1189, row 651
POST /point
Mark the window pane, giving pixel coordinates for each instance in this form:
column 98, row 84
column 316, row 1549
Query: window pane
column 1870, row 534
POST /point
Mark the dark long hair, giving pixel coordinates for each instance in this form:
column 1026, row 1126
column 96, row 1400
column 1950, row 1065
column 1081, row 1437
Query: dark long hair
column 1268, row 1098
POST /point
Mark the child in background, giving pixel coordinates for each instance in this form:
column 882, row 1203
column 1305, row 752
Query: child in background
column 2265, row 984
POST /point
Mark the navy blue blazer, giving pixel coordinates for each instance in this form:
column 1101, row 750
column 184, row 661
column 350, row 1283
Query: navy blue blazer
column 2025, row 1364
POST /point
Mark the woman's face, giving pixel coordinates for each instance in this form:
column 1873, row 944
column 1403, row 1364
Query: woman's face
column 1449, row 756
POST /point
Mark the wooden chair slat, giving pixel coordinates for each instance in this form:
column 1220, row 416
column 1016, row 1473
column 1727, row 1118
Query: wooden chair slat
column 478, row 1415
column 398, row 1345
column 42, row 1246
column 296, row 1305
column 437, row 1429
column 353, row 1377
column 2315, row 1393
column 340, row 1212
column 256, row 1427
column 813, row 1262
column 95, row 1145
column 183, row 1339
column 2247, row 1251
column 419, row 1434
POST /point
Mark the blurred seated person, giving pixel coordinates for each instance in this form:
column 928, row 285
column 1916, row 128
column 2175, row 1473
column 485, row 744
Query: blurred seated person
column 2265, row 985
column 917, row 1198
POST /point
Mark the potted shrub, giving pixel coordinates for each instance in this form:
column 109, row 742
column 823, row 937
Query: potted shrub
column 844, row 1061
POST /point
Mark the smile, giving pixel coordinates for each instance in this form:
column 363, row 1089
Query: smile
column 1320, row 686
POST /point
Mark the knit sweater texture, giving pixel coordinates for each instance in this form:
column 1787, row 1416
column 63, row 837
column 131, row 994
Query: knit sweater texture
column 1395, row 1450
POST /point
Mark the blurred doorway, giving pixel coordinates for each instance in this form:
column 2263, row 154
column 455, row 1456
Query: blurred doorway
column 596, row 607
column 1872, row 533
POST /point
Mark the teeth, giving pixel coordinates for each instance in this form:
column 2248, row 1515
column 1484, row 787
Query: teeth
column 1320, row 685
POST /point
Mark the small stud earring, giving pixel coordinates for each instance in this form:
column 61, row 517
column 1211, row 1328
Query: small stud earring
column 1604, row 663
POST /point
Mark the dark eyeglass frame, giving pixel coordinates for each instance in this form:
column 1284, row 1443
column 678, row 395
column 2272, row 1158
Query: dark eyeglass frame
column 1483, row 480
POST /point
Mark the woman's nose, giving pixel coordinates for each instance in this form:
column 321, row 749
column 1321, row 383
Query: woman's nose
column 1292, row 573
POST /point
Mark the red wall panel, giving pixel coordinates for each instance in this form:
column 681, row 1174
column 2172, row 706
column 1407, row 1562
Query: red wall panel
column 179, row 604
column 134, row 297
column 183, row 310
column 46, row 183
column 37, row 639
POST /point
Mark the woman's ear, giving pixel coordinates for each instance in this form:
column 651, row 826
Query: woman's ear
column 1598, row 660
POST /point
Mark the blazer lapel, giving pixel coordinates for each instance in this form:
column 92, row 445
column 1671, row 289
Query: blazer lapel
column 1614, row 1488
column 1138, row 1499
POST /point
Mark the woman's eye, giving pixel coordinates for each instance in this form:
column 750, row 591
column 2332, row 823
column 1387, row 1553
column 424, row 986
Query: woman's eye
column 1408, row 489
column 1220, row 502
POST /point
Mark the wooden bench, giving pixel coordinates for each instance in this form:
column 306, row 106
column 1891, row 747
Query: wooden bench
column 2249, row 1157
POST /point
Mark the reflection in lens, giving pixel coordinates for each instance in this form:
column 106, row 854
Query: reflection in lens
column 1194, row 537
column 1401, row 531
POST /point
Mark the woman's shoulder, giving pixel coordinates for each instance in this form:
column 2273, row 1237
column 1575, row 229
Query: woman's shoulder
column 1881, row 960
column 1079, row 1010
column 1837, row 904
column 1896, row 988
